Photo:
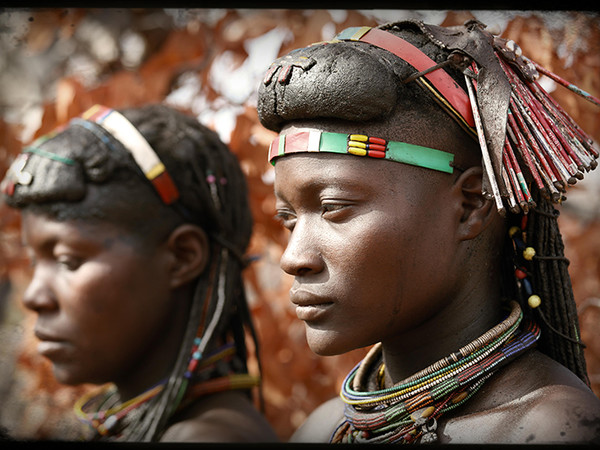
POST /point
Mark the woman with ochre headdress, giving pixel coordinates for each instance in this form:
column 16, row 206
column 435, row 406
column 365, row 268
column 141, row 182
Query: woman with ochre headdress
column 137, row 222
column 416, row 169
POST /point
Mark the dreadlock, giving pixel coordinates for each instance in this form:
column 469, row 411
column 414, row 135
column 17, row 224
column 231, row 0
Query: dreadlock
column 557, row 313
column 546, row 277
column 219, row 310
column 212, row 195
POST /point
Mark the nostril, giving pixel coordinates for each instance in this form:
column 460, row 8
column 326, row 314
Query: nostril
column 38, row 297
column 302, row 266
column 302, row 271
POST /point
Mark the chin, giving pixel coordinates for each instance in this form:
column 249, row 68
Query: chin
column 66, row 375
column 65, row 378
column 328, row 343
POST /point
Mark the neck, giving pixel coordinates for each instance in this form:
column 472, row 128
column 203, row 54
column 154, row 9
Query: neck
column 157, row 362
column 463, row 319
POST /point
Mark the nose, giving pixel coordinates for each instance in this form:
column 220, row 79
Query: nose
column 38, row 295
column 302, row 255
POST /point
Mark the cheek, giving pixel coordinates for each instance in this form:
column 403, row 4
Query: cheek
column 370, row 262
column 94, row 287
column 107, row 297
column 115, row 314
column 390, row 273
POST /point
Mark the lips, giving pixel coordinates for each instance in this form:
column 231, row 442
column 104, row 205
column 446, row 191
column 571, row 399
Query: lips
column 310, row 307
column 45, row 336
column 50, row 346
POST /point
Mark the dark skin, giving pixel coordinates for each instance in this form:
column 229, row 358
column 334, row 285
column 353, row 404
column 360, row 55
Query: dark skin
column 391, row 253
column 112, row 307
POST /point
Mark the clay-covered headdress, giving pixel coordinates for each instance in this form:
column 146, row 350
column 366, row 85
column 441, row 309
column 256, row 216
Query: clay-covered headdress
column 482, row 81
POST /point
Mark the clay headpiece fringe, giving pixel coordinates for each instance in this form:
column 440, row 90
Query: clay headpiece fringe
column 541, row 145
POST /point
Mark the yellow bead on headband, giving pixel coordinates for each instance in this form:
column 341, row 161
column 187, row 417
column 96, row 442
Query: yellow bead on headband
column 143, row 154
column 360, row 145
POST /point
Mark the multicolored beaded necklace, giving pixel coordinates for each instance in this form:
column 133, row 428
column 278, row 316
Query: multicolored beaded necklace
column 102, row 410
column 408, row 412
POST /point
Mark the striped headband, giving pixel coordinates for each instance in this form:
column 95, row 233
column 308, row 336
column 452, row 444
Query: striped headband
column 132, row 140
column 360, row 145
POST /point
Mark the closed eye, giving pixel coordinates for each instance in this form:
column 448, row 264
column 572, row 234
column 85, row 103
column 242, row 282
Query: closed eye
column 286, row 218
column 336, row 210
column 69, row 262
column 331, row 207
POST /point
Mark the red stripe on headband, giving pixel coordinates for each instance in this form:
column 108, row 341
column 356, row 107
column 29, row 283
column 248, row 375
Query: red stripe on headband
column 297, row 142
column 443, row 82
column 166, row 188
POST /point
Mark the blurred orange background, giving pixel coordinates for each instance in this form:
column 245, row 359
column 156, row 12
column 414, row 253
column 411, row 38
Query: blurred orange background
column 56, row 63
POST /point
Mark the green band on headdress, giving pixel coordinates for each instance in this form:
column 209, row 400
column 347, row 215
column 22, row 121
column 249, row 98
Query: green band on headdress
column 53, row 156
column 361, row 145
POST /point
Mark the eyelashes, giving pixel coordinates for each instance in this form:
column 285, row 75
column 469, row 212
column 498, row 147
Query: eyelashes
column 71, row 263
column 286, row 218
column 330, row 211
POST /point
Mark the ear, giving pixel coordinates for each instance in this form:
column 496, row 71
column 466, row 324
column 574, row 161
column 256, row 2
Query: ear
column 189, row 248
column 476, row 212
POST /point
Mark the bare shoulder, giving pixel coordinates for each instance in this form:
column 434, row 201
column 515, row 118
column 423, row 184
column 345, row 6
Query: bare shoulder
column 321, row 423
column 537, row 401
column 223, row 417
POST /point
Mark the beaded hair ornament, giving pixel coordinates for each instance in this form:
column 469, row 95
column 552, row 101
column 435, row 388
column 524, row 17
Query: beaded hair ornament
column 524, row 134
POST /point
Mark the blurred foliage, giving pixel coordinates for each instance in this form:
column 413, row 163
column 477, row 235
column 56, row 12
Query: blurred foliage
column 56, row 63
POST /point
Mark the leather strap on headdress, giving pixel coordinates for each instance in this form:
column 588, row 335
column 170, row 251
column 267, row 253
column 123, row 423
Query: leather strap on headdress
column 451, row 93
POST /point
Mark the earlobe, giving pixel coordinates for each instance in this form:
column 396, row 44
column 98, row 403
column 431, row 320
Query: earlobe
column 477, row 212
column 189, row 247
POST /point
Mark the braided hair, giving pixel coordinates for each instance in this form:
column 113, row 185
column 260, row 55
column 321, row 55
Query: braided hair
column 557, row 313
column 213, row 196
column 357, row 82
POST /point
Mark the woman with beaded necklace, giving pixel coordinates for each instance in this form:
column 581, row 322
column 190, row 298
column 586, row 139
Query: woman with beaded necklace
column 446, row 258
column 137, row 223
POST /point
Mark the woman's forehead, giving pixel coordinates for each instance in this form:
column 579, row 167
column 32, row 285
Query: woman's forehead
column 319, row 171
column 43, row 227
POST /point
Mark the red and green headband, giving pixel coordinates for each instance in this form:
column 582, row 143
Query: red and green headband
column 360, row 145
